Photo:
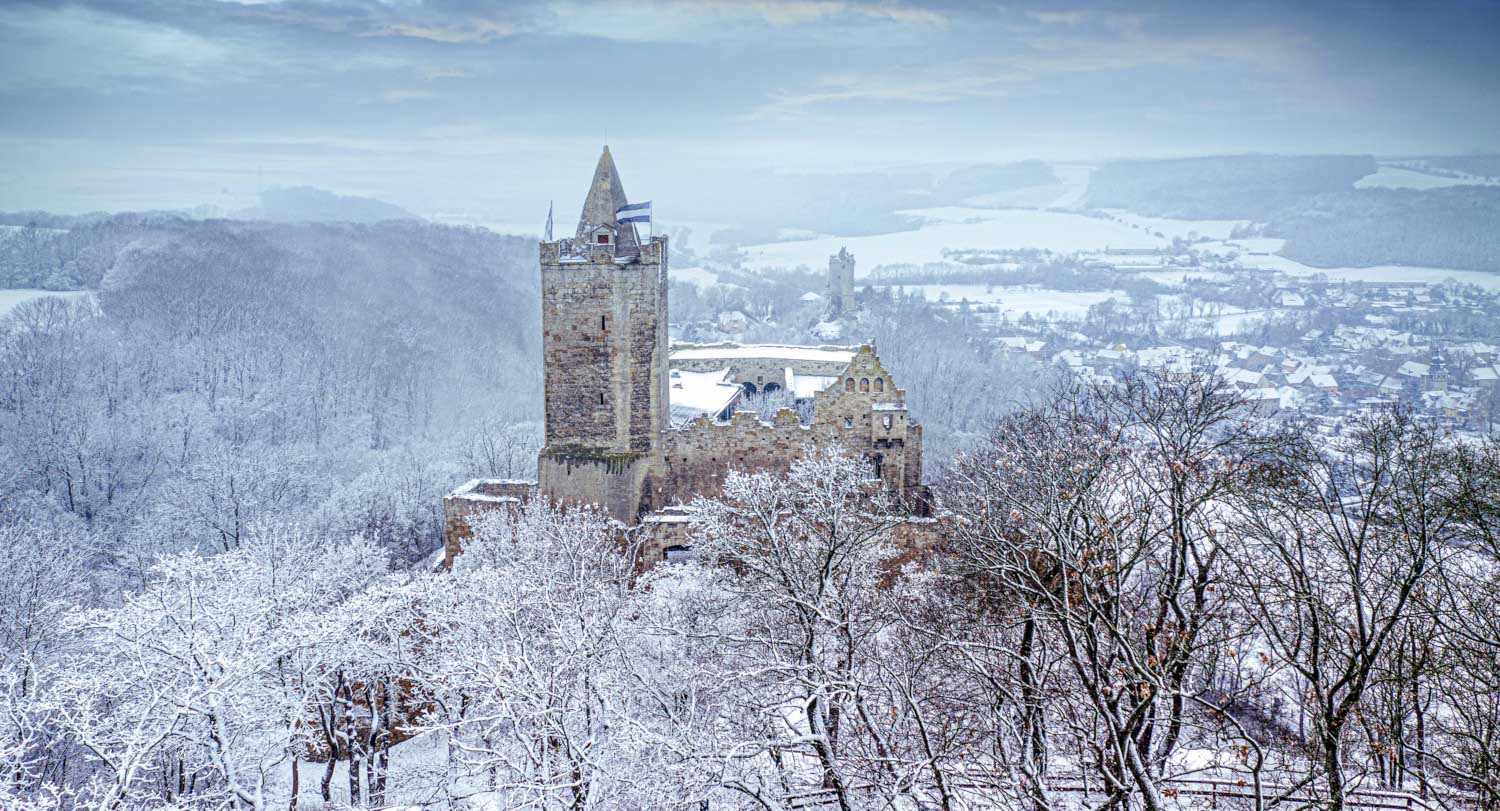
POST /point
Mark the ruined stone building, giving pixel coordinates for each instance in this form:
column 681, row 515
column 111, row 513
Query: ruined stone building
column 641, row 428
column 841, row 284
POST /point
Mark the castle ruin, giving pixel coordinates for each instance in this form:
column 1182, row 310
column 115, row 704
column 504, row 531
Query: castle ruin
column 840, row 284
column 640, row 428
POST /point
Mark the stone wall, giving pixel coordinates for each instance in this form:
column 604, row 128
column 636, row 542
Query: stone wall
column 865, row 411
column 699, row 455
column 478, row 497
column 604, row 345
column 856, row 414
column 618, row 482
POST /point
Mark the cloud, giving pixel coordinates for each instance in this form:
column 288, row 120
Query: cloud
column 442, row 21
column 1049, row 45
column 798, row 12
column 936, row 85
column 1073, row 18
column 705, row 20
column 81, row 48
column 396, row 95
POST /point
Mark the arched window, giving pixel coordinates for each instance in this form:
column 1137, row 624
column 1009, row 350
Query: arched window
column 849, row 384
column 880, row 384
column 770, row 387
column 750, row 388
column 864, row 384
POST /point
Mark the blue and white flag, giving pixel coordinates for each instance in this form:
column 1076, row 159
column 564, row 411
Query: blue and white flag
column 635, row 212
column 547, row 232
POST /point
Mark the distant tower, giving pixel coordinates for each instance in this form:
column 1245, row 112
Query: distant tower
column 604, row 356
column 1437, row 373
column 840, row 283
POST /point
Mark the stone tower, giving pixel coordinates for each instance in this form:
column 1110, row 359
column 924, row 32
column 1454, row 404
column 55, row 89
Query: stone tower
column 840, row 284
column 604, row 356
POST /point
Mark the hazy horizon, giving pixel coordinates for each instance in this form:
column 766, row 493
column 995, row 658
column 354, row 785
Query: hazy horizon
column 466, row 109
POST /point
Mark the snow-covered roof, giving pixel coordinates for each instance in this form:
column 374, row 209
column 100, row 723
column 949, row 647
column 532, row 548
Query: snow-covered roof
column 497, row 491
column 831, row 354
column 1413, row 369
column 697, row 393
column 804, row 386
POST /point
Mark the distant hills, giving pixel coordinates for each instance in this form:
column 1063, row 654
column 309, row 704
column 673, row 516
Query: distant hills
column 1311, row 201
column 307, row 204
column 1233, row 187
column 1452, row 227
column 295, row 204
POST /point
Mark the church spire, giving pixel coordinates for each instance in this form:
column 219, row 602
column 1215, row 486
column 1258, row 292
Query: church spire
column 606, row 196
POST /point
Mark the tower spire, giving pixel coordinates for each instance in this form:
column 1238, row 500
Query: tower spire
column 606, row 196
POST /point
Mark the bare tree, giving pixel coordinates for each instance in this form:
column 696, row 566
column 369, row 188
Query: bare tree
column 1333, row 546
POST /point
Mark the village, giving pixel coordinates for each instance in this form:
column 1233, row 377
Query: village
column 1326, row 347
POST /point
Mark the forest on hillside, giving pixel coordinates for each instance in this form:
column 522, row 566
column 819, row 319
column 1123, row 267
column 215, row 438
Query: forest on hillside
column 226, row 373
column 1453, row 227
column 1231, row 187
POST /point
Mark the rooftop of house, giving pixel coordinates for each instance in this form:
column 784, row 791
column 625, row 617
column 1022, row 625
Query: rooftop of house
column 697, row 393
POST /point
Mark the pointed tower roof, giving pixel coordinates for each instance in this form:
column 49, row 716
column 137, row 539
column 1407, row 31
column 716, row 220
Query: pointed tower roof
column 606, row 196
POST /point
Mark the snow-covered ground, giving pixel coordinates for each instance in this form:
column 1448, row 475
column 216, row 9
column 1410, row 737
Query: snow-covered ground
column 1176, row 277
column 1041, row 196
column 1260, row 253
column 416, row 777
column 1015, row 301
column 958, row 228
column 1397, row 177
column 1075, row 184
column 1169, row 228
column 11, row 299
column 696, row 276
column 1070, row 192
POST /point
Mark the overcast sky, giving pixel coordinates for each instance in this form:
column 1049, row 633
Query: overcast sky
column 481, row 108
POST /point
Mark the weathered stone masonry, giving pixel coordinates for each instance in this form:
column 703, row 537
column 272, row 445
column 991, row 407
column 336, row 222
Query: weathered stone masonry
column 606, row 385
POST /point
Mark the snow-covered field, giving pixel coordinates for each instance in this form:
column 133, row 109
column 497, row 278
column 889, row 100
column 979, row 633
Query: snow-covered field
column 1017, row 300
column 1069, row 192
column 1396, row 177
column 1260, row 253
column 698, row 277
column 958, row 228
column 1176, row 277
column 1168, row 228
column 11, row 299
